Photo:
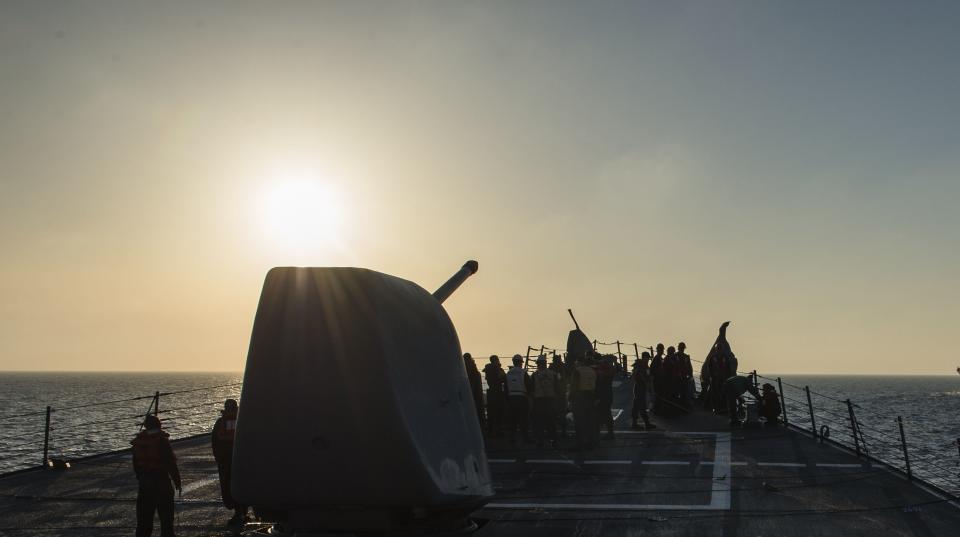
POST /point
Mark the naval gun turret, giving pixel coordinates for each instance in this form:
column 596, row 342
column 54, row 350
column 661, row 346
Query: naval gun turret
column 356, row 413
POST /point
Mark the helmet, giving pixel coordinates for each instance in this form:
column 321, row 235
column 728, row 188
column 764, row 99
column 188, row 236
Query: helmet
column 230, row 404
column 542, row 359
column 517, row 359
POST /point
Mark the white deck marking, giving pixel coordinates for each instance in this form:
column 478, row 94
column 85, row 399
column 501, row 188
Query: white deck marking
column 722, row 476
column 783, row 464
column 836, row 465
column 501, row 460
column 719, row 495
column 732, row 463
column 200, row 483
column 550, row 461
column 615, row 412
column 603, row 506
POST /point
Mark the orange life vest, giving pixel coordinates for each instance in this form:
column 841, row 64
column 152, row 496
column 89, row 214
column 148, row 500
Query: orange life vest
column 227, row 428
column 148, row 451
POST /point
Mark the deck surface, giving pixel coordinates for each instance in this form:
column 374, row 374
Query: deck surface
column 692, row 477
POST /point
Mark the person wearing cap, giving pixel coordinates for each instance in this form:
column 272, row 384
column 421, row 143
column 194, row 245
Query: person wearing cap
column 770, row 405
column 657, row 375
column 546, row 395
column 641, row 387
column 687, row 384
column 476, row 387
column 733, row 388
column 519, row 386
column 558, row 367
column 155, row 466
column 583, row 389
column 221, row 440
column 496, row 396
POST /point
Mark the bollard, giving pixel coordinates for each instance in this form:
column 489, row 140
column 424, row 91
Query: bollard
column 853, row 428
column 783, row 402
column 813, row 422
column 46, row 438
column 903, row 444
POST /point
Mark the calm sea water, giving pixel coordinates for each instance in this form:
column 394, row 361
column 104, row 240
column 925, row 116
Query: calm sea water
column 929, row 407
column 99, row 412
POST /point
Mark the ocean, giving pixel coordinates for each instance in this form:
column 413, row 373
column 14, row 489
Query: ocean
column 98, row 412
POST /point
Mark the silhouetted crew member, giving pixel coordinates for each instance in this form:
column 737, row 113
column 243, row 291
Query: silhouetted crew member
column 221, row 439
column 583, row 386
column 688, row 386
column 155, row 465
column 496, row 396
column 656, row 372
column 546, row 395
column 558, row 367
column 605, row 374
column 733, row 388
column 518, row 388
column 476, row 387
column 668, row 392
column 770, row 405
column 641, row 386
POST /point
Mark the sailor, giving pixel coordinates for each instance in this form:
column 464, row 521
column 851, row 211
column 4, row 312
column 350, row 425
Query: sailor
column 605, row 374
column 641, row 387
column 546, row 395
column 155, row 465
column 656, row 372
column 496, row 396
column 583, row 386
column 518, row 403
column 221, row 439
column 688, row 386
column 667, row 397
column 733, row 388
column 558, row 367
column 476, row 387
column 770, row 405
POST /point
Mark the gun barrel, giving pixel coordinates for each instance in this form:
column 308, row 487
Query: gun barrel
column 469, row 269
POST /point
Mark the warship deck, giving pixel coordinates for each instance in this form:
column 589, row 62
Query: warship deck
column 691, row 477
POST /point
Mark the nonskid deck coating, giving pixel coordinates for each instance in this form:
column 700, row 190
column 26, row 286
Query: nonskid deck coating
column 676, row 481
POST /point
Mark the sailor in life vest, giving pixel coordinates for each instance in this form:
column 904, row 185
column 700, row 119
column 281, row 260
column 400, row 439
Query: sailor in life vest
column 519, row 385
column 222, row 442
column 155, row 465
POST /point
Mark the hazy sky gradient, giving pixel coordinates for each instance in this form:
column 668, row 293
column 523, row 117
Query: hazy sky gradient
column 659, row 167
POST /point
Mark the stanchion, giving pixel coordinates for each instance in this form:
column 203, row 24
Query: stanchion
column 46, row 438
column 903, row 443
column 813, row 421
column 853, row 428
column 156, row 403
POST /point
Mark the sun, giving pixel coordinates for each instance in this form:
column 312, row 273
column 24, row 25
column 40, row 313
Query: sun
column 302, row 212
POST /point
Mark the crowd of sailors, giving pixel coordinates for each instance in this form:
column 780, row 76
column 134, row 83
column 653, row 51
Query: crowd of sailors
column 535, row 406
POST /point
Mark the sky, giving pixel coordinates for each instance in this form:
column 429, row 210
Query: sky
column 659, row 167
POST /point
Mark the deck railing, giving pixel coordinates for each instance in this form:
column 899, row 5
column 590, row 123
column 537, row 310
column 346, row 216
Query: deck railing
column 876, row 437
column 62, row 433
column 44, row 437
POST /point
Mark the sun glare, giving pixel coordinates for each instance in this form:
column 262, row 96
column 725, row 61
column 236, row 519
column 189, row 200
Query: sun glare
column 302, row 213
